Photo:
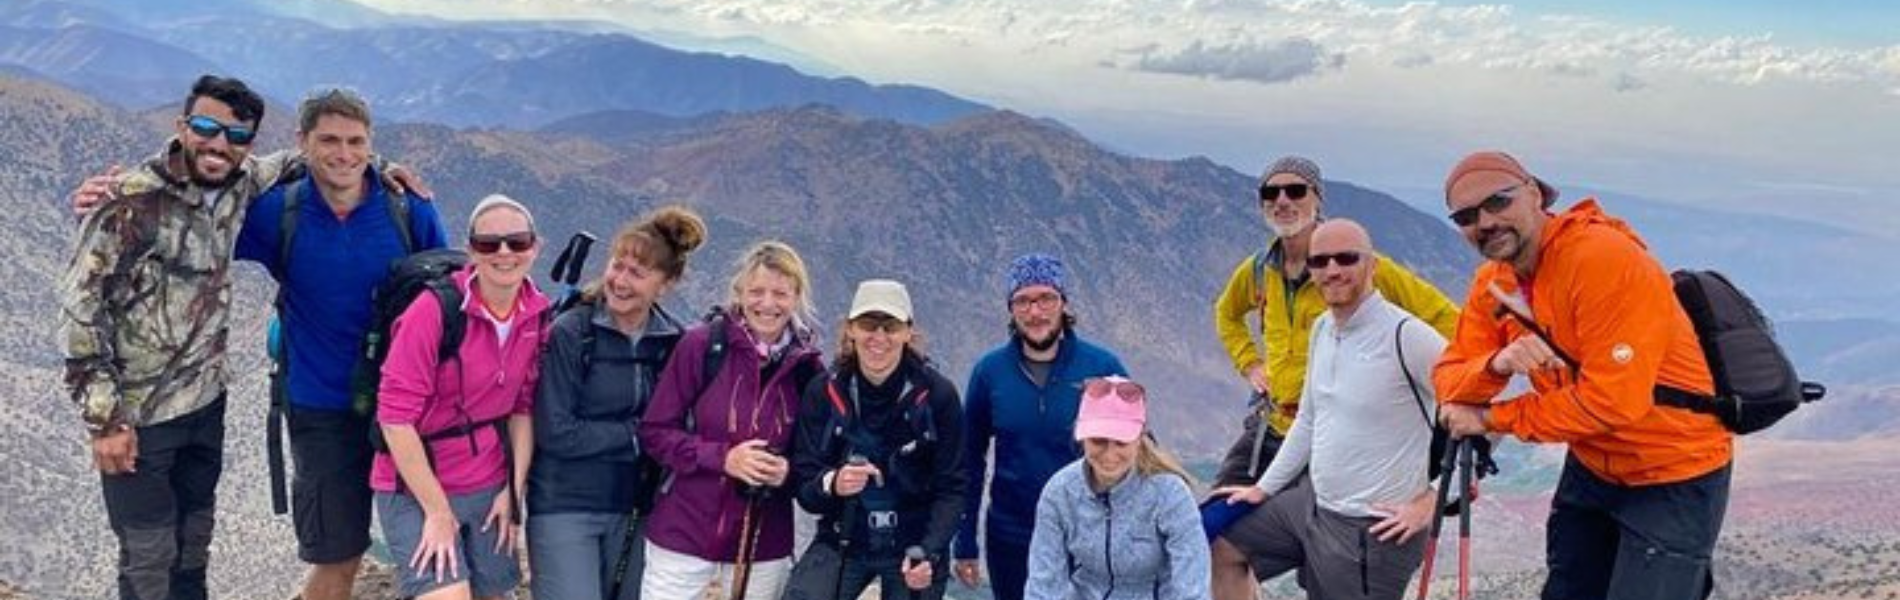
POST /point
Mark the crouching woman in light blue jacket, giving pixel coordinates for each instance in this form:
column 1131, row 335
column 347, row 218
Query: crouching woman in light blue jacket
column 1121, row 523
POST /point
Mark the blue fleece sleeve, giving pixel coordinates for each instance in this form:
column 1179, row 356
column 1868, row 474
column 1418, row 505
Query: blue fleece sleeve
column 976, row 449
column 1048, row 548
column 1185, row 543
column 257, row 239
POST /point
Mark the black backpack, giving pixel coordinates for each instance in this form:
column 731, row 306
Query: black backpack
column 426, row 271
column 1755, row 383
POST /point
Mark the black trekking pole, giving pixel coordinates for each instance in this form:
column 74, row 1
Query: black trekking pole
column 748, row 538
column 568, row 267
column 1446, row 465
column 845, row 520
column 626, row 556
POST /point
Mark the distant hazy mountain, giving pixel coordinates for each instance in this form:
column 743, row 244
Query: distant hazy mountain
column 488, row 74
column 942, row 208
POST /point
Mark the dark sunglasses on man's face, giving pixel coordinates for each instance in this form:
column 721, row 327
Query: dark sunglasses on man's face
column 1494, row 204
column 1128, row 391
column 1293, row 191
column 490, row 243
column 1344, row 259
column 207, row 128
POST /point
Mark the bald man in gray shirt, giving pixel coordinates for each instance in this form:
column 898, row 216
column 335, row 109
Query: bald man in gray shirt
column 1357, row 450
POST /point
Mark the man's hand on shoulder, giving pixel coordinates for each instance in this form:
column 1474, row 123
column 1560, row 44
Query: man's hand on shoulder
column 94, row 192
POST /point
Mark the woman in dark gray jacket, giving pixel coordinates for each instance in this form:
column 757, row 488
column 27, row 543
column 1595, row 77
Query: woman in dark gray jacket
column 590, row 485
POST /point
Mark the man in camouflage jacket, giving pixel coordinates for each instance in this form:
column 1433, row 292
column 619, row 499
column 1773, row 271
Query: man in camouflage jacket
column 145, row 311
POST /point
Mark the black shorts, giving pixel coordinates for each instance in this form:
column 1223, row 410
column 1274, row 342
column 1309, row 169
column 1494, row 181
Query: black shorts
column 329, row 487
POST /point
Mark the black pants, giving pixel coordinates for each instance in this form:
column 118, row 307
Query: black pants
column 819, row 574
column 162, row 512
column 1608, row 541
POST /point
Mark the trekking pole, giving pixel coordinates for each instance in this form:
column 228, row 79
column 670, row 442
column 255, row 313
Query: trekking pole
column 845, row 519
column 626, row 556
column 1465, row 452
column 568, row 267
column 1438, row 517
column 742, row 567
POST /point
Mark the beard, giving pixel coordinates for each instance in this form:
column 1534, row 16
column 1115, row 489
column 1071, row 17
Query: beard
column 1041, row 345
column 1290, row 230
column 192, row 158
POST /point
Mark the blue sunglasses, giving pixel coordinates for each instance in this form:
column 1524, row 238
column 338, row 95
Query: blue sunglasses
column 207, row 127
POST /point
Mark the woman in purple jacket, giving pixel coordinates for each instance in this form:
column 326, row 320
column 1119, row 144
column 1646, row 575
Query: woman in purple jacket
column 723, row 513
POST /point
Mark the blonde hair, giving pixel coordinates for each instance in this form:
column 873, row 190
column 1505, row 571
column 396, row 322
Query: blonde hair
column 780, row 257
column 1151, row 459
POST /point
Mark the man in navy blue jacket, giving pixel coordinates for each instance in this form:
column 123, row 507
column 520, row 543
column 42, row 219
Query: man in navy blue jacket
column 346, row 229
column 1023, row 394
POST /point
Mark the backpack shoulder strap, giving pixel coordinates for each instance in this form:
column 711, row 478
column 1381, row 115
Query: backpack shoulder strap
column 1260, row 277
column 398, row 205
column 454, row 321
column 287, row 230
column 1411, row 383
column 715, row 346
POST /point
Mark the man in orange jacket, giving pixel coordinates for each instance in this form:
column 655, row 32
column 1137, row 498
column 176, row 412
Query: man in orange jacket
column 1575, row 302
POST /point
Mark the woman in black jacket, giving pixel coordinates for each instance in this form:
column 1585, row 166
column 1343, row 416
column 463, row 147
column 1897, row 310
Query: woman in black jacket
column 878, row 456
column 590, row 484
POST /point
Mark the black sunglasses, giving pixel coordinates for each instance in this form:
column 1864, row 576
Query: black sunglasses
column 1293, row 191
column 490, row 243
column 1494, row 204
column 207, row 127
column 871, row 323
column 1344, row 259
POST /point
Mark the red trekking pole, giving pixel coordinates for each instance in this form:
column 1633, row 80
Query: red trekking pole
column 1471, row 458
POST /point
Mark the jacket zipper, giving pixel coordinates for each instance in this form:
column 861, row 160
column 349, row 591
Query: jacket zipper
column 1108, row 545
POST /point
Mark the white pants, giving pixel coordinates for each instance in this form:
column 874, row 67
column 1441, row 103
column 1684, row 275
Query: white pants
column 672, row 575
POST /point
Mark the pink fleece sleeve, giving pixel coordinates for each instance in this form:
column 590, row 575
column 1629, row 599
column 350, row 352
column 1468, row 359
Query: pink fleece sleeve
column 409, row 371
column 524, row 401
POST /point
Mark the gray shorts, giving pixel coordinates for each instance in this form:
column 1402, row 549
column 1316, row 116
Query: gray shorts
column 1335, row 555
column 490, row 574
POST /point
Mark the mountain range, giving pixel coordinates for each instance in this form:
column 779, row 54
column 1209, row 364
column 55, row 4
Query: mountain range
column 908, row 183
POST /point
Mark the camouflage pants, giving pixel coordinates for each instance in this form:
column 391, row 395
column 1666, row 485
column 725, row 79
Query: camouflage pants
column 162, row 512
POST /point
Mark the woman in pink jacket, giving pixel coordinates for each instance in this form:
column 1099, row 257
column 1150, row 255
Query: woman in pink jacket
column 445, row 488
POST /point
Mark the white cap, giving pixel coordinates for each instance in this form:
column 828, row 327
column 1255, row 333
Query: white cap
column 881, row 295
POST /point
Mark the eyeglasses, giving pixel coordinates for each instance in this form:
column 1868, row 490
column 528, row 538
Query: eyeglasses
column 1042, row 301
column 1128, row 391
column 1493, row 204
column 208, row 128
column 1343, row 259
column 1293, row 191
column 490, row 243
column 870, row 324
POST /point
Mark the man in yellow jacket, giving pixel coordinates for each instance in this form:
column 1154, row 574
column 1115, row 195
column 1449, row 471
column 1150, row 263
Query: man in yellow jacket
column 1273, row 285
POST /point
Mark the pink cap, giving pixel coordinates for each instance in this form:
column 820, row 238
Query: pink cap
column 1112, row 408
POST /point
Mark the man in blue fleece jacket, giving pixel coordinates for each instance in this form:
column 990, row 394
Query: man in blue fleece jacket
column 1024, row 395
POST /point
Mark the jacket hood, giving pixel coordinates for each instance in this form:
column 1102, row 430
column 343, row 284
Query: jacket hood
column 1586, row 213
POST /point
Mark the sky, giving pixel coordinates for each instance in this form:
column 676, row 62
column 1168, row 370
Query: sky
column 1779, row 107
